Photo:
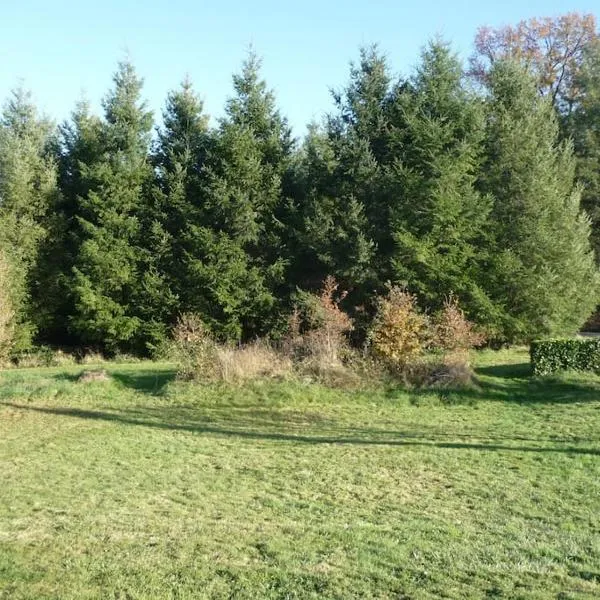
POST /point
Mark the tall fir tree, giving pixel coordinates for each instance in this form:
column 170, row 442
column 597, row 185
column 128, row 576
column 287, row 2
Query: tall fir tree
column 544, row 276
column 176, row 203
column 28, row 189
column 78, row 145
column 235, row 257
column 340, row 216
column 439, row 220
column 107, row 277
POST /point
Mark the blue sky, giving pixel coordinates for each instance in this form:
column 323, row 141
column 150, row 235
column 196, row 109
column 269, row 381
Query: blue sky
column 62, row 49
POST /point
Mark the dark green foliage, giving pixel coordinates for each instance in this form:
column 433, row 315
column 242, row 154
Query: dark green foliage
column 106, row 275
column 236, row 259
column 418, row 182
column 550, row 356
column 176, row 200
column 439, row 220
column 583, row 125
column 79, row 145
column 27, row 191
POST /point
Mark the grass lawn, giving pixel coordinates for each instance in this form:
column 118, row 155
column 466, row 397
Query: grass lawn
column 146, row 488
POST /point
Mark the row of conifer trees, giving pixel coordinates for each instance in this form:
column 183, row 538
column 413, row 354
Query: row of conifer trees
column 111, row 227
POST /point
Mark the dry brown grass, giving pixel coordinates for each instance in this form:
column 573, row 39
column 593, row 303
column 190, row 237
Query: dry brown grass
column 251, row 361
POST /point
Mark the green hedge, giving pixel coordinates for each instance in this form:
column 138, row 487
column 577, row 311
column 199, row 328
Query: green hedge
column 549, row 356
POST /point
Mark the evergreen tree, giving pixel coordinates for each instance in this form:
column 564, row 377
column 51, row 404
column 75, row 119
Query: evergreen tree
column 544, row 276
column 329, row 229
column 27, row 190
column 236, row 255
column 107, row 268
column 439, row 219
column 78, row 145
column 177, row 199
column 339, row 224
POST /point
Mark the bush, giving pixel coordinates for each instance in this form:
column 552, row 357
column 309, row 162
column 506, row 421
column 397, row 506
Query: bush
column 43, row 356
column 194, row 349
column 7, row 313
column 399, row 332
column 452, row 331
column 318, row 326
column 453, row 371
column 549, row 356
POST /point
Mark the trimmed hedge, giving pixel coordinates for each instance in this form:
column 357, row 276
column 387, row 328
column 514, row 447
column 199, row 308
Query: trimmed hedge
column 549, row 356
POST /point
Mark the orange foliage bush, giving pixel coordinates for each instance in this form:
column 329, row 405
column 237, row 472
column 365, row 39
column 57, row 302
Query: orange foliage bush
column 399, row 332
column 452, row 331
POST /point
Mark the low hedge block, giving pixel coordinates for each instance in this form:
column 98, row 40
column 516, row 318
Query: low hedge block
column 549, row 356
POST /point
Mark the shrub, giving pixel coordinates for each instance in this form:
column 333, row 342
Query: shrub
column 43, row 356
column 452, row 331
column 7, row 313
column 579, row 354
column 318, row 327
column 194, row 349
column 399, row 332
column 453, row 371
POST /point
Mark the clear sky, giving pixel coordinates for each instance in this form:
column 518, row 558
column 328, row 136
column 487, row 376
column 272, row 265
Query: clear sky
column 62, row 49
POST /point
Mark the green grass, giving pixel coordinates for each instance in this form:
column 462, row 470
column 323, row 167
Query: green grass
column 143, row 487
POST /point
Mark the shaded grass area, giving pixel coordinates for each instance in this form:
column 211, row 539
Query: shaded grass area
column 143, row 487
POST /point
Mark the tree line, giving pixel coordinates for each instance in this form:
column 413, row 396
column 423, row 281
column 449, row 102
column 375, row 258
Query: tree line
column 477, row 182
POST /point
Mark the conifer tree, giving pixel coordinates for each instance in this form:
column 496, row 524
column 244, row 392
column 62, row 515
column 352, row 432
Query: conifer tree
column 583, row 125
column 106, row 273
column 78, row 145
column 27, row 190
column 339, row 215
column 439, row 219
column 176, row 204
column 236, row 251
column 543, row 276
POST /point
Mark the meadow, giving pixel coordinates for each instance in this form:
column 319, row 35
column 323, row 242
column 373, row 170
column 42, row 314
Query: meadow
column 145, row 487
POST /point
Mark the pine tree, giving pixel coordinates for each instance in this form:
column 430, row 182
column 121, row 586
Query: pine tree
column 543, row 276
column 107, row 270
column 27, row 191
column 439, row 219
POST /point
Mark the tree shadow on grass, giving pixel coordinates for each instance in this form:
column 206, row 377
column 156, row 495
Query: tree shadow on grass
column 515, row 383
column 510, row 371
column 228, row 426
column 150, row 382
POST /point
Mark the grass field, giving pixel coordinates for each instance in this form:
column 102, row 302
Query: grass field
column 143, row 487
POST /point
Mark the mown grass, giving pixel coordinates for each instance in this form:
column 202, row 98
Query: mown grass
column 143, row 487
